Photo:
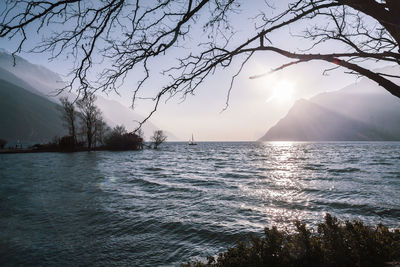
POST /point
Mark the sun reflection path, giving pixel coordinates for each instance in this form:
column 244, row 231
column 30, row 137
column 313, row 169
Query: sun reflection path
column 281, row 185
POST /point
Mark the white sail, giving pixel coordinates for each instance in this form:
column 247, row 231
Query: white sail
column 192, row 142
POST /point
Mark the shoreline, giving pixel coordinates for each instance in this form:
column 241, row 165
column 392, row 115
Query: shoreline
column 25, row 151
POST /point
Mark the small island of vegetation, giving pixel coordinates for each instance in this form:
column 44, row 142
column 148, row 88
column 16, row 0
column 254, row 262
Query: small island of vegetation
column 87, row 131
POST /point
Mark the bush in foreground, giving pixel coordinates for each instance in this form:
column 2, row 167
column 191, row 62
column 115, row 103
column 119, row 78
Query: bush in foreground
column 334, row 244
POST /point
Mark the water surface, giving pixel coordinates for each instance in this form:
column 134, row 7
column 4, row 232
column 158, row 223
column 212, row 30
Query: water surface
column 164, row 207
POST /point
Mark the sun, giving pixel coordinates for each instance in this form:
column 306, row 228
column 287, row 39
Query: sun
column 282, row 91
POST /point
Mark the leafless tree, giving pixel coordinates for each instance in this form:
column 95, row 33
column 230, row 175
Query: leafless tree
column 90, row 114
column 2, row 143
column 158, row 138
column 69, row 115
column 128, row 34
column 119, row 130
column 140, row 133
column 100, row 131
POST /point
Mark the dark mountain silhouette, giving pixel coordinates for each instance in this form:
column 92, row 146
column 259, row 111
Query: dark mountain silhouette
column 44, row 82
column 307, row 121
column 26, row 116
column 378, row 109
column 362, row 111
column 11, row 78
column 37, row 76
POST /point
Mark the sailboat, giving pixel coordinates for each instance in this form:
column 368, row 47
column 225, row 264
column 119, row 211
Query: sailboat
column 192, row 142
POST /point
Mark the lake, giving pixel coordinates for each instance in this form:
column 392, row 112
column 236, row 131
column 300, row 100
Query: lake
column 179, row 203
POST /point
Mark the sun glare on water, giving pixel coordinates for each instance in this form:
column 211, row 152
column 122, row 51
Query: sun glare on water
column 282, row 91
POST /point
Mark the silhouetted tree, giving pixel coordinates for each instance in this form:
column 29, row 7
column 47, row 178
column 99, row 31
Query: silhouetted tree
column 139, row 132
column 127, row 34
column 90, row 115
column 119, row 130
column 2, row 143
column 100, row 130
column 69, row 116
column 158, row 138
column 120, row 139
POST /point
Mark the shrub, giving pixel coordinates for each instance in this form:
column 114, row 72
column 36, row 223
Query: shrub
column 49, row 147
column 2, row 143
column 123, row 141
column 158, row 138
column 67, row 143
column 334, row 244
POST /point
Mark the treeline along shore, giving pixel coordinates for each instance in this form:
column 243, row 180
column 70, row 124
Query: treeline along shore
column 87, row 131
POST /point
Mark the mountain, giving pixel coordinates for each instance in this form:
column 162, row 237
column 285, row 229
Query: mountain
column 307, row 121
column 359, row 112
column 43, row 82
column 38, row 77
column 26, row 116
column 361, row 102
column 8, row 76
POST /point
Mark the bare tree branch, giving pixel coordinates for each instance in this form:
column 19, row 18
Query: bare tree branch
column 127, row 36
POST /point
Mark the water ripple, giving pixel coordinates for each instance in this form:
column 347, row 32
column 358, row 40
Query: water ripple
column 164, row 207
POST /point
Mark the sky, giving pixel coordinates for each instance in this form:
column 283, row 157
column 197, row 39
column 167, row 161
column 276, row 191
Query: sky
column 255, row 104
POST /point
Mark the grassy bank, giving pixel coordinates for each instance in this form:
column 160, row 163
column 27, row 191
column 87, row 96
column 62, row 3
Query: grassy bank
column 333, row 243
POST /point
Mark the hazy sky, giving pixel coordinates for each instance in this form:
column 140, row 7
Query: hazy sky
column 255, row 105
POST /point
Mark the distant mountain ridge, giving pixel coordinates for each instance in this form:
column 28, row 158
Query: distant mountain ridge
column 358, row 112
column 307, row 121
column 10, row 77
column 27, row 117
column 43, row 82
